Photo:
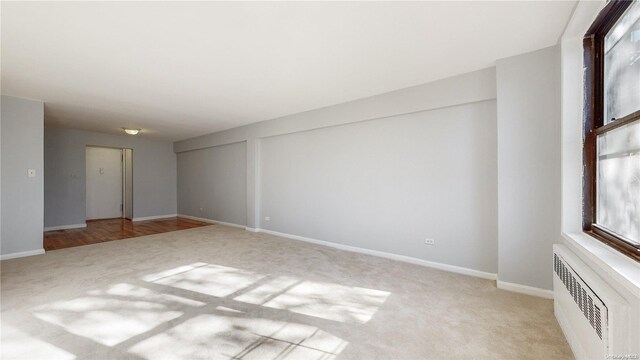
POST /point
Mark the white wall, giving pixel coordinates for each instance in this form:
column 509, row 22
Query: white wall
column 528, row 88
column 388, row 184
column 212, row 183
column 462, row 89
column 381, row 173
column 456, row 90
column 22, row 123
column 154, row 174
column 386, row 172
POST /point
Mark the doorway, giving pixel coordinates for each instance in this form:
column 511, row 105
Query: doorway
column 109, row 183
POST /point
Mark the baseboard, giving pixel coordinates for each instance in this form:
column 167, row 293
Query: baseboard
column 154, row 217
column 386, row 255
column 22, row 254
column 65, row 227
column 524, row 289
column 197, row 218
column 211, row 221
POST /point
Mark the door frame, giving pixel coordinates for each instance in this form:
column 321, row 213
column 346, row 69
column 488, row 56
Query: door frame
column 127, row 186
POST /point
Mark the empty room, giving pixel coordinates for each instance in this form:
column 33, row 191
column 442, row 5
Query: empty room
column 320, row 180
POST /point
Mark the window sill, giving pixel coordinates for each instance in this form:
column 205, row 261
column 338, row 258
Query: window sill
column 617, row 266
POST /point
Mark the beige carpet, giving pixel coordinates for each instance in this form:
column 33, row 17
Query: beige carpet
column 218, row 293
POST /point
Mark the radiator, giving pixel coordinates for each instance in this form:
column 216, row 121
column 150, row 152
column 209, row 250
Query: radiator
column 592, row 315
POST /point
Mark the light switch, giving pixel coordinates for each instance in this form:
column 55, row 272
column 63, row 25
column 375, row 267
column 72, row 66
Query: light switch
column 31, row 173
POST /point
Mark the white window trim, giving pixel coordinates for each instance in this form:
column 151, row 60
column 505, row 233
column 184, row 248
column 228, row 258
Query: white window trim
column 607, row 261
column 617, row 266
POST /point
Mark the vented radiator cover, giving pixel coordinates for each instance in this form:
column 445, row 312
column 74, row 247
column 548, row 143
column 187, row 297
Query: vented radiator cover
column 589, row 311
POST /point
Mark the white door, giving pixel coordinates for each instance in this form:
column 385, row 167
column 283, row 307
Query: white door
column 104, row 183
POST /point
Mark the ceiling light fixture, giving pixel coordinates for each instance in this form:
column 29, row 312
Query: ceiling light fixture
column 131, row 131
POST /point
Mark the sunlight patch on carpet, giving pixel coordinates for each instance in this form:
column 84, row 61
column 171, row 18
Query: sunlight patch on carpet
column 211, row 336
column 15, row 342
column 114, row 315
column 208, row 279
column 324, row 300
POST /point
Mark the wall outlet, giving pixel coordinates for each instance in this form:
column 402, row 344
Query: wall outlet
column 267, row 218
column 201, row 209
column 430, row 241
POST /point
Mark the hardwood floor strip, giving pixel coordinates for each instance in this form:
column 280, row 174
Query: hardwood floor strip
column 98, row 231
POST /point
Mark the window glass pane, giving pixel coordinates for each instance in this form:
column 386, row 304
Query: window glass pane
column 622, row 66
column 618, row 184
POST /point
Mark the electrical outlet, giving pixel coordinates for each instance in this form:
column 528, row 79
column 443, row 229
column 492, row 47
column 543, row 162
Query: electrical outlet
column 430, row 241
column 267, row 218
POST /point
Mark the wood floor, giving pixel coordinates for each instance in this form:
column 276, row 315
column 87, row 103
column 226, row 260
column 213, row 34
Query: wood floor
column 98, row 231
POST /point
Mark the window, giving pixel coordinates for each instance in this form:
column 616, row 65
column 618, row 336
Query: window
column 611, row 153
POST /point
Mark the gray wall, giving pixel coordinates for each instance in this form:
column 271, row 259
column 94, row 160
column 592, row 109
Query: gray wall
column 462, row 89
column 388, row 184
column 22, row 197
column 529, row 208
column 212, row 183
column 154, row 174
column 381, row 173
column 457, row 90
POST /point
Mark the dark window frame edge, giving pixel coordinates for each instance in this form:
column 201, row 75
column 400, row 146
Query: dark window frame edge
column 593, row 124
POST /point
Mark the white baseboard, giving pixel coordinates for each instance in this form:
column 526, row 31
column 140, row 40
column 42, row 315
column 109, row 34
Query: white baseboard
column 21, row 254
column 386, row 255
column 154, row 217
column 65, row 227
column 211, row 221
column 524, row 289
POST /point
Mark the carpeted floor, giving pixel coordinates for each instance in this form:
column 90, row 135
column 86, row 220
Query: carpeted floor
column 217, row 292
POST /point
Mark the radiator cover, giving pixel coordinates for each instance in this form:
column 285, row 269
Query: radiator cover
column 591, row 313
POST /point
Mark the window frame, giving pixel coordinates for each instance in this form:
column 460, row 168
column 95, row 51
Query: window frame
column 594, row 126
